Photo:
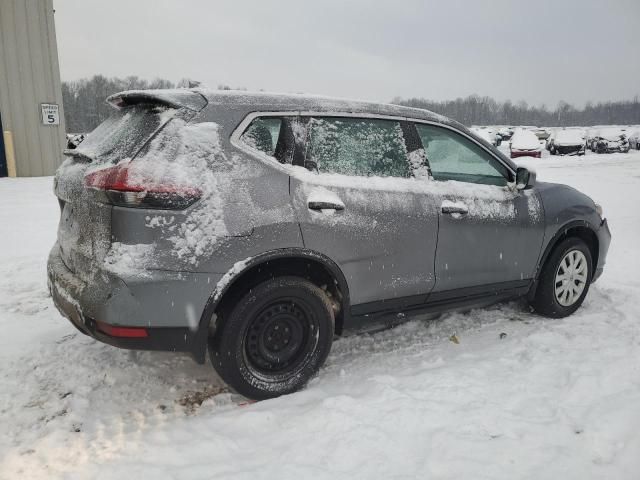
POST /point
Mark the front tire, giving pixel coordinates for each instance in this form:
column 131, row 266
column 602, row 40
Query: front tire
column 564, row 280
column 274, row 339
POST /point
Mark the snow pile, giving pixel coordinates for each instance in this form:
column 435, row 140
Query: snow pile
column 198, row 152
column 124, row 259
column 494, row 393
column 189, row 158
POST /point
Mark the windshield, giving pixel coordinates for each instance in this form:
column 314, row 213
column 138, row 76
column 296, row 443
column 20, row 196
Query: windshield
column 123, row 133
column 575, row 136
column 612, row 134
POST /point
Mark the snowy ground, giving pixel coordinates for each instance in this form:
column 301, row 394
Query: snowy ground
column 552, row 399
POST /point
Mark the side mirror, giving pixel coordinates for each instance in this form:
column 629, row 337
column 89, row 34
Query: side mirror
column 525, row 178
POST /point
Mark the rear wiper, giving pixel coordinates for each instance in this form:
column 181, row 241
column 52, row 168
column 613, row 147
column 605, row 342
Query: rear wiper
column 77, row 154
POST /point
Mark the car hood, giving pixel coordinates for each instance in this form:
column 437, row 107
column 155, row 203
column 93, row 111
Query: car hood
column 563, row 203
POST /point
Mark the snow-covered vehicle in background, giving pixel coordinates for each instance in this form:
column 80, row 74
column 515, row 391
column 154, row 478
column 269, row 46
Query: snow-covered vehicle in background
column 258, row 227
column 524, row 143
column 567, row 141
column 549, row 141
column 506, row 132
column 610, row 139
column 488, row 134
column 634, row 139
column 590, row 136
column 541, row 133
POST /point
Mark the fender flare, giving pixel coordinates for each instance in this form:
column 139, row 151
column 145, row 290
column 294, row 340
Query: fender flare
column 559, row 233
column 230, row 278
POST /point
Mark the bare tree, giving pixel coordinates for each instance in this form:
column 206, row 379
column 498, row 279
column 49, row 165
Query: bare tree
column 474, row 110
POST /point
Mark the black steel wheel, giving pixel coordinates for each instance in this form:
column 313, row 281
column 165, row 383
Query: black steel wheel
column 274, row 339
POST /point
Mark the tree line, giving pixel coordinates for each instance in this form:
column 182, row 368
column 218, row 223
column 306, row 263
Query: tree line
column 85, row 107
column 84, row 100
column 476, row 110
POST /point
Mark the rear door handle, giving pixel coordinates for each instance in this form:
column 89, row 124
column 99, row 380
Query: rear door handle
column 324, row 205
column 450, row 208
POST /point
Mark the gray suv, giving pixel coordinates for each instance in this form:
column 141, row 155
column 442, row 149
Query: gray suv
column 260, row 227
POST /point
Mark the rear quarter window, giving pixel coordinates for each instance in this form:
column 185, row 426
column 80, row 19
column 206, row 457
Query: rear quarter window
column 263, row 134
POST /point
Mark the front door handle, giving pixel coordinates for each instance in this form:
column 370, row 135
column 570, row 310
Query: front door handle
column 324, row 205
column 451, row 208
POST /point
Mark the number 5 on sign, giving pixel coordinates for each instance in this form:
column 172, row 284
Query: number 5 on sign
column 50, row 114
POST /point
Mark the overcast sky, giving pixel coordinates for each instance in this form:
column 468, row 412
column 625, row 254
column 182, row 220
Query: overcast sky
column 539, row 51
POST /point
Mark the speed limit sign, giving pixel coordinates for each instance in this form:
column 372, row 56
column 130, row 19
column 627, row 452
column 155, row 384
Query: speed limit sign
column 50, row 114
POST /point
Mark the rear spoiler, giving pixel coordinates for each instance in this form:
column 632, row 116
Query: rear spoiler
column 172, row 98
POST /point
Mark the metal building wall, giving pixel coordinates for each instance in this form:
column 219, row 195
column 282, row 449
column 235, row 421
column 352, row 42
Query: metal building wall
column 29, row 77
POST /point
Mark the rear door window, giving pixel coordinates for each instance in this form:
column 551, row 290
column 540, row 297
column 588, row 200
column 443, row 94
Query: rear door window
column 454, row 157
column 357, row 146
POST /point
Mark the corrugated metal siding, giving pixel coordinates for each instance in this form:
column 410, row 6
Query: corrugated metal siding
column 29, row 76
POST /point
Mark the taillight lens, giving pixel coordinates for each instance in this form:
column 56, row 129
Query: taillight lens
column 122, row 332
column 116, row 185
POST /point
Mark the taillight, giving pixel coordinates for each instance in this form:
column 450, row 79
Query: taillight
column 118, row 186
column 122, row 332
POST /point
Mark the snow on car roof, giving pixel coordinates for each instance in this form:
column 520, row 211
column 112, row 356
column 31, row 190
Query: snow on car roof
column 281, row 101
column 573, row 136
column 486, row 134
column 264, row 101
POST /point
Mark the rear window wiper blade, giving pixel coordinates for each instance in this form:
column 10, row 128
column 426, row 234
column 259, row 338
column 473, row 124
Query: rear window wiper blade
column 72, row 152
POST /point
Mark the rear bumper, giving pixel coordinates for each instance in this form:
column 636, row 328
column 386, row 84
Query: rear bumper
column 168, row 306
column 526, row 153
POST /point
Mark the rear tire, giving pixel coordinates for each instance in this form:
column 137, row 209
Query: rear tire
column 564, row 280
column 274, row 339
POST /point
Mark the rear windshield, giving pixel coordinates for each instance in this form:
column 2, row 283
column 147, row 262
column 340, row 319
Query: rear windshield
column 123, row 133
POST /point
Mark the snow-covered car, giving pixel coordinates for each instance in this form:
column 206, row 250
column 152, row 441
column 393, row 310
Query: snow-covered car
column 506, row 132
column 549, row 141
column 541, row 133
column 489, row 135
column 612, row 139
column 524, row 143
column 258, row 227
column 634, row 140
column 568, row 141
column 590, row 136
